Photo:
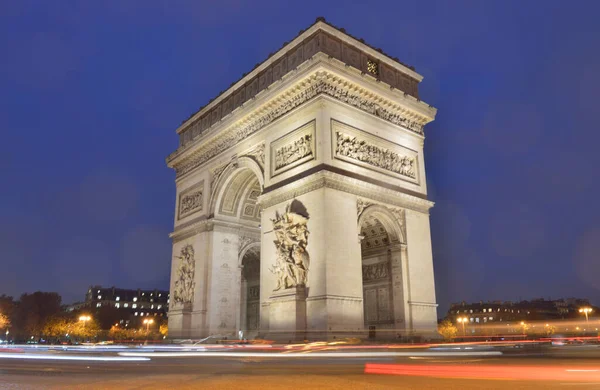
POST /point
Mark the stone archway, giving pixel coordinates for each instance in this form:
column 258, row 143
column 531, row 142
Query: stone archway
column 249, row 308
column 235, row 253
column 383, row 277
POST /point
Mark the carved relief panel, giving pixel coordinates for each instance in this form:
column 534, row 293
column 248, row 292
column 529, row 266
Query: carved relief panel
column 293, row 149
column 191, row 200
column 360, row 148
column 185, row 284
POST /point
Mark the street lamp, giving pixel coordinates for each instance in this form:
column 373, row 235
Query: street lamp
column 462, row 320
column 148, row 322
column 586, row 311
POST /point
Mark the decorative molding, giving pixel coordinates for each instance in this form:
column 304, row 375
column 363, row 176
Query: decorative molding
column 377, row 271
column 347, row 184
column 191, row 200
column 216, row 174
column 253, row 293
column 399, row 215
column 291, row 232
column 258, row 154
column 185, row 284
column 425, row 304
column 244, row 242
column 358, row 147
column 293, row 149
column 320, row 82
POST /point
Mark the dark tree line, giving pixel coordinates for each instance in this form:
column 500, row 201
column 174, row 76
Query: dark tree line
column 40, row 316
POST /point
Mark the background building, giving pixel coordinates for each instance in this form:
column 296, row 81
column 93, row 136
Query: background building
column 135, row 302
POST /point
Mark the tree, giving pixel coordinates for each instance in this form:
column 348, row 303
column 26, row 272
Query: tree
column 164, row 330
column 33, row 311
column 4, row 321
column 447, row 329
column 57, row 327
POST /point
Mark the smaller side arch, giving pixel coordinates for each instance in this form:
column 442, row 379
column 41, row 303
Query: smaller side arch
column 389, row 220
column 234, row 167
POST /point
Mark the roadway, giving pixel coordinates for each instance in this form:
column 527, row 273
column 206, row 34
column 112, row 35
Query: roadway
column 550, row 369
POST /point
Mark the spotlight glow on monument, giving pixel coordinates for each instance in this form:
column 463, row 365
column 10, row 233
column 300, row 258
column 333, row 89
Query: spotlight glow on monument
column 322, row 146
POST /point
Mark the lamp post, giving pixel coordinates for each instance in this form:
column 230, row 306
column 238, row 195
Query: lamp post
column 84, row 319
column 148, row 322
column 462, row 320
column 586, row 311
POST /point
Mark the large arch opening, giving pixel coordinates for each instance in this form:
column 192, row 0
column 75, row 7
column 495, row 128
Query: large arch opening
column 236, row 242
column 382, row 273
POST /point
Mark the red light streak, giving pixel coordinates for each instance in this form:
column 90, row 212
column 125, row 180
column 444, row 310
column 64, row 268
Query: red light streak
column 537, row 373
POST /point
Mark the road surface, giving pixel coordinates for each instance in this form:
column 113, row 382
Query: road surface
column 559, row 369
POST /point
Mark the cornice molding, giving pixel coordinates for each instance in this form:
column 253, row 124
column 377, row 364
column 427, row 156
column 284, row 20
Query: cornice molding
column 347, row 184
column 195, row 227
column 320, row 82
column 319, row 25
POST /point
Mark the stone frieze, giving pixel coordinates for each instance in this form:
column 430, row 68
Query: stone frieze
column 319, row 83
column 361, row 150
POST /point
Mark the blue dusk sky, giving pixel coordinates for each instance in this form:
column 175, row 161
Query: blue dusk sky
column 91, row 93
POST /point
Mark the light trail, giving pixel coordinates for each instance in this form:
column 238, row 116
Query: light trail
column 308, row 355
column 508, row 372
column 30, row 356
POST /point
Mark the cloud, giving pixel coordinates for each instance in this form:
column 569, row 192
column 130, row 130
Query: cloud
column 511, row 128
column 80, row 262
column 108, row 197
column 516, row 231
column 586, row 260
column 146, row 255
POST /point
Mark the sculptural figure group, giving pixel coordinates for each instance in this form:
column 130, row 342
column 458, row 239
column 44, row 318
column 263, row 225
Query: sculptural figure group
column 291, row 232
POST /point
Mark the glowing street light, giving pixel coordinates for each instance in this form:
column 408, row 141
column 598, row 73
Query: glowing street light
column 85, row 318
column 586, row 311
column 462, row 320
column 148, row 322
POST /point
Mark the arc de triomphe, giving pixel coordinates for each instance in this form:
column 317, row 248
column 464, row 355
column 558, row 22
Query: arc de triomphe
column 302, row 206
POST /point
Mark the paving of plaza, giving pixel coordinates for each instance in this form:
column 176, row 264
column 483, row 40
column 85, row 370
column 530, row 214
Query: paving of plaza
column 565, row 368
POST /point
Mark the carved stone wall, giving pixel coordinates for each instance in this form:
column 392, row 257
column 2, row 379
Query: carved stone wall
column 321, row 41
column 358, row 147
column 184, row 284
column 190, row 200
column 319, row 83
column 291, row 232
column 377, row 271
column 293, row 149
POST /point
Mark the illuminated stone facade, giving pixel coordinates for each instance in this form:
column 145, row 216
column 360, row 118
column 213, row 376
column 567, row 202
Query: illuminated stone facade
column 301, row 190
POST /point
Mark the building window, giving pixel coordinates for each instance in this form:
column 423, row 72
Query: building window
column 135, row 299
column 136, row 313
column 484, row 310
column 491, row 318
column 159, row 306
column 117, row 305
column 490, row 310
column 118, row 299
column 134, row 306
column 373, row 67
column 99, row 296
column 98, row 304
column 471, row 311
column 152, row 307
column 126, row 305
column 159, row 295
